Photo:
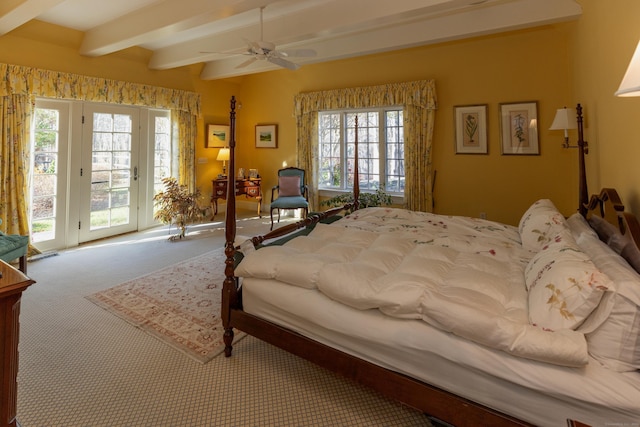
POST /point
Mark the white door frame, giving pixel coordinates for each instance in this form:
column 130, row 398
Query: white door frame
column 71, row 184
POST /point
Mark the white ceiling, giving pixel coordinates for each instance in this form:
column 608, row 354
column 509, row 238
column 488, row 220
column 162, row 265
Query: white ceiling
column 214, row 32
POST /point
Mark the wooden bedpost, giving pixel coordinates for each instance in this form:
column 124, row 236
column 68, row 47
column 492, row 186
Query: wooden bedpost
column 230, row 288
column 356, row 175
column 583, row 196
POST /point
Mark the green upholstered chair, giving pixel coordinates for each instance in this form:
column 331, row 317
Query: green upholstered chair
column 292, row 192
column 14, row 246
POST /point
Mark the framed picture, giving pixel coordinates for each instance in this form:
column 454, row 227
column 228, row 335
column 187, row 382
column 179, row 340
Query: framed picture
column 471, row 129
column 266, row 136
column 519, row 128
column 217, row 136
column 253, row 173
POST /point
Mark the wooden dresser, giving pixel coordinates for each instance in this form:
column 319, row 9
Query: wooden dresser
column 12, row 283
column 246, row 187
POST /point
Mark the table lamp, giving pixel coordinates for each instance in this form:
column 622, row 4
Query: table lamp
column 223, row 156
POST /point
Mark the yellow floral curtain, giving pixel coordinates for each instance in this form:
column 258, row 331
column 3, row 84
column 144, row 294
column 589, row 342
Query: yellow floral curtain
column 419, row 101
column 18, row 88
column 15, row 113
column 185, row 130
column 15, row 79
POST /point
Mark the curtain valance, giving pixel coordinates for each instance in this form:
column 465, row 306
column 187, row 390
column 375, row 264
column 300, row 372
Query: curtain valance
column 16, row 79
column 419, row 93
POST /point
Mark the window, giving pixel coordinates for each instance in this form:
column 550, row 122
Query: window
column 163, row 151
column 44, row 189
column 380, row 149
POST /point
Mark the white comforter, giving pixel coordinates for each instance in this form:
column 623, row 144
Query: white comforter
column 459, row 274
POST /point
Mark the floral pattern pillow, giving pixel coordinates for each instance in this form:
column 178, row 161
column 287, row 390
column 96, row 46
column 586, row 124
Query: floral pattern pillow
column 564, row 286
column 540, row 225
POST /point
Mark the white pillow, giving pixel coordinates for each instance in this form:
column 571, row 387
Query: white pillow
column 564, row 286
column 613, row 329
column 540, row 224
column 579, row 226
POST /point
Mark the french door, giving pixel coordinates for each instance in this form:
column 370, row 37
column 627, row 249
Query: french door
column 95, row 169
column 109, row 173
column 50, row 166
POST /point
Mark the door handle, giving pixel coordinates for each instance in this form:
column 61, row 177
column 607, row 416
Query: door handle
column 135, row 173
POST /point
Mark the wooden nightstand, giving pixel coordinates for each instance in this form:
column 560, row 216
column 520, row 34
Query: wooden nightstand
column 12, row 284
column 247, row 187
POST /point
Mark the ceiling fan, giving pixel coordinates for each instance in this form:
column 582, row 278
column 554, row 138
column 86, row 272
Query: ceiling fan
column 262, row 50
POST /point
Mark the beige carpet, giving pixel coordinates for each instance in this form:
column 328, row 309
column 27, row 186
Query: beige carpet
column 81, row 366
column 179, row 305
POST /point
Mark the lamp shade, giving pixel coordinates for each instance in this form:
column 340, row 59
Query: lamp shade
column 630, row 85
column 223, row 154
column 565, row 119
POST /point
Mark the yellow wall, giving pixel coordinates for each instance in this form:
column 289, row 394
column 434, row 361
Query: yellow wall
column 602, row 44
column 46, row 46
column 526, row 65
column 555, row 65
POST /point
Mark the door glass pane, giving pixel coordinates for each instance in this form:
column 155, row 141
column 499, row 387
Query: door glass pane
column 162, row 154
column 45, row 174
column 110, row 170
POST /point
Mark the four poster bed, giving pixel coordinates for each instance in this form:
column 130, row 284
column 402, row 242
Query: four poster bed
column 470, row 321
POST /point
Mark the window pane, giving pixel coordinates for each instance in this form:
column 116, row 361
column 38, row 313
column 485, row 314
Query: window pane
column 102, row 122
column 395, row 152
column 380, row 149
column 45, row 170
column 162, row 153
column 329, row 138
column 368, row 148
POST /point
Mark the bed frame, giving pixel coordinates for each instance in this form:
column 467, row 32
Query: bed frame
column 437, row 403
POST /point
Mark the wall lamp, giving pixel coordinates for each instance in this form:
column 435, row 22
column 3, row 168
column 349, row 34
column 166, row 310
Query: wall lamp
column 630, row 85
column 565, row 119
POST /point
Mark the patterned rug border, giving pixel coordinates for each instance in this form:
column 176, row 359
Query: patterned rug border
column 166, row 315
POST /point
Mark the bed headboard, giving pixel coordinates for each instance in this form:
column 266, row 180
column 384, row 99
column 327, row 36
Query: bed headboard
column 620, row 230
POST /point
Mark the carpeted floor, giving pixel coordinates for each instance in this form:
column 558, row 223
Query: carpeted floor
column 83, row 366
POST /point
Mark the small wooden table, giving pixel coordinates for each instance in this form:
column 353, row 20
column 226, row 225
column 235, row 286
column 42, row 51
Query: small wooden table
column 248, row 187
column 12, row 284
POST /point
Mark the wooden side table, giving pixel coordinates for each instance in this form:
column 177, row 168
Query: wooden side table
column 247, row 187
column 12, row 284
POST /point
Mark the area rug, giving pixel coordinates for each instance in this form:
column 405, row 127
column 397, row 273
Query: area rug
column 179, row 304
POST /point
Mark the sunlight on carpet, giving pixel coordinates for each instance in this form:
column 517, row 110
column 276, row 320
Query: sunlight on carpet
column 179, row 304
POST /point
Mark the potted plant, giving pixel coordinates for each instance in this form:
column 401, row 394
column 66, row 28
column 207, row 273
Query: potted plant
column 176, row 205
column 366, row 200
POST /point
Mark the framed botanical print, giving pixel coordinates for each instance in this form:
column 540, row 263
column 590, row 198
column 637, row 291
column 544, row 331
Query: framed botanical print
column 471, row 129
column 519, row 128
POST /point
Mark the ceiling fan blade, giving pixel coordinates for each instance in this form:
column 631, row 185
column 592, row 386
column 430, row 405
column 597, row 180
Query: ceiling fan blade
column 298, row 52
column 283, row 63
column 246, row 63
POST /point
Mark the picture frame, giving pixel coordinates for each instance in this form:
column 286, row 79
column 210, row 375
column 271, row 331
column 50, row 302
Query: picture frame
column 471, row 129
column 253, row 174
column 266, row 136
column 217, row 136
column 519, row 128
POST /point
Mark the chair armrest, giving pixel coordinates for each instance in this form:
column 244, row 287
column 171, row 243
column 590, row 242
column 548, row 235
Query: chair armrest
column 273, row 190
column 306, row 192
